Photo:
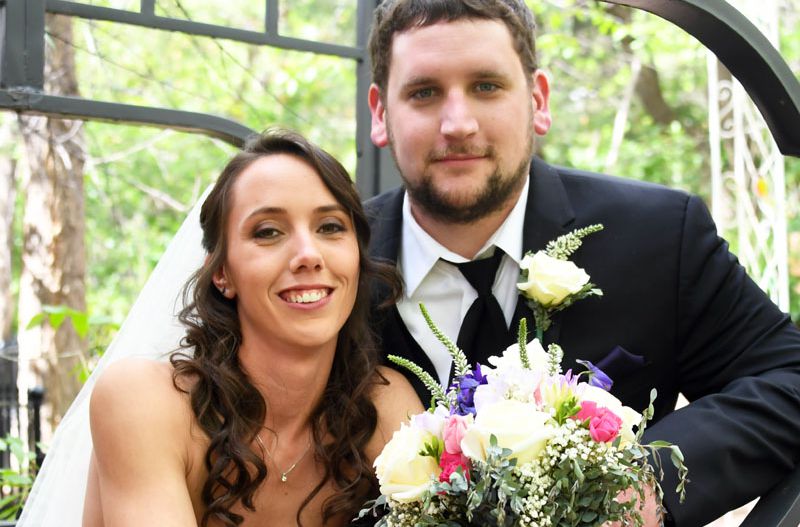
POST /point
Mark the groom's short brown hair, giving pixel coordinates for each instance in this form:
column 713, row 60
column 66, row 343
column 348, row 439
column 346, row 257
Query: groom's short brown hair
column 397, row 16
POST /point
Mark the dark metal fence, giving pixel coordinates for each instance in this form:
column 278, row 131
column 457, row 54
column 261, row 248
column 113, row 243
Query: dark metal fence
column 9, row 404
column 10, row 411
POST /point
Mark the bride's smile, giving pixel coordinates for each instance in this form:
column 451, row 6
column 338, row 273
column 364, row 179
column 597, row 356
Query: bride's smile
column 305, row 296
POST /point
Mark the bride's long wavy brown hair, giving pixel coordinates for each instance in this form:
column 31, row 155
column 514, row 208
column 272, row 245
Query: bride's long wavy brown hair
column 228, row 408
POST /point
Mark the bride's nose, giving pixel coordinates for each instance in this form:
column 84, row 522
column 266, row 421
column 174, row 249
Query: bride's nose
column 306, row 254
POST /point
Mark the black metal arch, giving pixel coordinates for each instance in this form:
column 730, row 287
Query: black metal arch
column 22, row 36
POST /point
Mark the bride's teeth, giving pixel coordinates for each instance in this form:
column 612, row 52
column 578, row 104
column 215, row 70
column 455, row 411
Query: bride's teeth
column 307, row 296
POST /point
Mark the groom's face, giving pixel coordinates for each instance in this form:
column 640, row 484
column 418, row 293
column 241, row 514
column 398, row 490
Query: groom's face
column 460, row 114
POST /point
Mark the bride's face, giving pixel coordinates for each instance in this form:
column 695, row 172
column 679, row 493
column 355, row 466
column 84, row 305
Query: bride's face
column 292, row 257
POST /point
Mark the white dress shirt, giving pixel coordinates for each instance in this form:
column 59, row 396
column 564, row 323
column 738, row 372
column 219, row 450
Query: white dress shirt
column 447, row 295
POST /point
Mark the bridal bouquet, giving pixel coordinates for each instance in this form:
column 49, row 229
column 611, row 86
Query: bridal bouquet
column 518, row 441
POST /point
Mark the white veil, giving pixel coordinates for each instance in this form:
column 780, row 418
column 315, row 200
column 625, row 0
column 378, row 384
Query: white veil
column 151, row 330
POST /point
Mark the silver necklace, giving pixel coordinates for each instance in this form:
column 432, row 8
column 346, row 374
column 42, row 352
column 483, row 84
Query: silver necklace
column 284, row 473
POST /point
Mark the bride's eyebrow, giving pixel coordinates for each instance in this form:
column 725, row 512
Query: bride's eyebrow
column 266, row 210
column 334, row 207
column 331, row 208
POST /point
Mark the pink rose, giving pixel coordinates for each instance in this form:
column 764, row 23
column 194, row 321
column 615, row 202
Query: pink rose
column 588, row 410
column 450, row 462
column 604, row 424
column 454, row 429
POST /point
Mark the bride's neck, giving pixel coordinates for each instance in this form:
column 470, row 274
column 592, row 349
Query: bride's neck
column 292, row 382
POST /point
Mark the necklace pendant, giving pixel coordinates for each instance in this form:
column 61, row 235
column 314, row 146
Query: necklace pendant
column 283, row 477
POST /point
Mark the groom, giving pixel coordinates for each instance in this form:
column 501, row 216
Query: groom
column 457, row 96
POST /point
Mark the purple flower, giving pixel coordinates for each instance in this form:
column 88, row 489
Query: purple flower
column 597, row 377
column 569, row 379
column 466, row 386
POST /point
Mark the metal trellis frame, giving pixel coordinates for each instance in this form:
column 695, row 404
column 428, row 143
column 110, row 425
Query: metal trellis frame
column 22, row 32
column 748, row 182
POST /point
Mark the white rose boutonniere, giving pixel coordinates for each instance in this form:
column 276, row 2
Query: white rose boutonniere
column 551, row 282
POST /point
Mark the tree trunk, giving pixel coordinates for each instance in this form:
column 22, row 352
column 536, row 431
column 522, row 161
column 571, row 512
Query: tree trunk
column 53, row 256
column 648, row 86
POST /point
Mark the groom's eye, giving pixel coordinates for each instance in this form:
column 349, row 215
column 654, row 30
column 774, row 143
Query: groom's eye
column 422, row 94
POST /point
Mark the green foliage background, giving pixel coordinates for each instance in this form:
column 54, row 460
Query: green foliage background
column 140, row 182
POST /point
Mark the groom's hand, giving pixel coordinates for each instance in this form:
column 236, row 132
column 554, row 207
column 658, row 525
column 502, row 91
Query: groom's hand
column 649, row 508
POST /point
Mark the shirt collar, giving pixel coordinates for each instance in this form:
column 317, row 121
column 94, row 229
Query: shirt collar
column 420, row 252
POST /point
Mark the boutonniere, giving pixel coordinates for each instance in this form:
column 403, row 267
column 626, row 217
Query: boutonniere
column 551, row 282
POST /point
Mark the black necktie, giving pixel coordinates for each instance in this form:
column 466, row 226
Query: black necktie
column 483, row 332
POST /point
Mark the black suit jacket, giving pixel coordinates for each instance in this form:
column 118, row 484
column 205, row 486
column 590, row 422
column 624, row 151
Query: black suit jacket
column 675, row 296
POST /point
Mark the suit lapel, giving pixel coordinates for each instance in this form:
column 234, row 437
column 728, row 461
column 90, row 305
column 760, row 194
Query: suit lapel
column 548, row 215
column 385, row 215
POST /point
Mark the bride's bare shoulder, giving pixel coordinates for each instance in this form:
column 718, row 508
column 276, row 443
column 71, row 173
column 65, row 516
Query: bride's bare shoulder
column 395, row 394
column 142, row 389
column 395, row 401
column 132, row 374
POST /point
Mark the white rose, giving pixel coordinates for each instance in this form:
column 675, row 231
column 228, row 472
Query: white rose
column 551, row 280
column 518, row 426
column 404, row 475
column 629, row 416
column 510, row 360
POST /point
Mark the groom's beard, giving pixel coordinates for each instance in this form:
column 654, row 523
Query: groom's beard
column 496, row 192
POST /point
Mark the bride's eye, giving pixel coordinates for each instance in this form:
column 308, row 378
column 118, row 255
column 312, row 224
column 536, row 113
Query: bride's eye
column 332, row 226
column 266, row 233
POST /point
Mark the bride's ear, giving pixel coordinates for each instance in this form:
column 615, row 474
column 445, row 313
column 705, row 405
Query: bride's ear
column 222, row 283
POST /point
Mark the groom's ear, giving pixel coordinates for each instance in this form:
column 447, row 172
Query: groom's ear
column 379, row 133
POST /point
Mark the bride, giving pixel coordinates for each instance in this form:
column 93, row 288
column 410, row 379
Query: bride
column 274, row 408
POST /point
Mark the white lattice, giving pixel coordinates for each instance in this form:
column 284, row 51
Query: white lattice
column 748, row 186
